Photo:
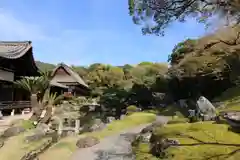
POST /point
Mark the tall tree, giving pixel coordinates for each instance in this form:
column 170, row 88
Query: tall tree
column 156, row 15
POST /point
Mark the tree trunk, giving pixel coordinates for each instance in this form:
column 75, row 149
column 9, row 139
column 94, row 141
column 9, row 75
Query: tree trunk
column 47, row 115
column 36, row 109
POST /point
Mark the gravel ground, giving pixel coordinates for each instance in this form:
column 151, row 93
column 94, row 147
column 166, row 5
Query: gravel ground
column 117, row 147
column 6, row 121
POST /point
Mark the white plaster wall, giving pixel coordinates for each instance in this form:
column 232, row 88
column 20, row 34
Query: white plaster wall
column 6, row 75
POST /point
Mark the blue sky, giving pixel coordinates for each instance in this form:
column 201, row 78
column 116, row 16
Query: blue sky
column 87, row 31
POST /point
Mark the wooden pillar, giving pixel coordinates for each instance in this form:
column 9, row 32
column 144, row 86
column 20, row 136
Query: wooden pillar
column 13, row 91
column 34, row 102
column 13, row 112
column 1, row 116
column 60, row 127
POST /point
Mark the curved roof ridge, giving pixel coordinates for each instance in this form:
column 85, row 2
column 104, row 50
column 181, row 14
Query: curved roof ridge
column 16, row 42
column 14, row 49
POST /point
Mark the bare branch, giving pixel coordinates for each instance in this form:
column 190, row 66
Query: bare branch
column 164, row 12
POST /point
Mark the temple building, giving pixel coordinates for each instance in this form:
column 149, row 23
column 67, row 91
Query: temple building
column 16, row 60
column 73, row 83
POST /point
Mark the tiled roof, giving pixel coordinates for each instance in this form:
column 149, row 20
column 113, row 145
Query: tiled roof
column 14, row 49
column 72, row 73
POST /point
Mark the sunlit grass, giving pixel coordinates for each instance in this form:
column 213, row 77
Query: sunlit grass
column 204, row 131
column 230, row 108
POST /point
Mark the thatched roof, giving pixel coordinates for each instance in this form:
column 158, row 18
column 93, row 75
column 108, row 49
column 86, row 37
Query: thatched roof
column 14, row 50
column 56, row 84
column 73, row 74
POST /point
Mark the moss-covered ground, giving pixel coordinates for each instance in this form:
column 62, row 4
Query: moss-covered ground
column 198, row 139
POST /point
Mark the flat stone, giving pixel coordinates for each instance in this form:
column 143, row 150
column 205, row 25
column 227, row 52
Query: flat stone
column 13, row 131
column 87, row 142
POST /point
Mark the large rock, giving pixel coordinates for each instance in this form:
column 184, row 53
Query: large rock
column 129, row 136
column 206, row 109
column 97, row 125
column 87, row 142
column 159, row 145
column 145, row 138
column 110, row 119
column 233, row 119
column 42, row 128
column 160, row 121
column 34, row 137
column 148, row 129
column 92, row 125
column 13, row 131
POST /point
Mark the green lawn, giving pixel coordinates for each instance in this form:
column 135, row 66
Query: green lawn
column 230, row 108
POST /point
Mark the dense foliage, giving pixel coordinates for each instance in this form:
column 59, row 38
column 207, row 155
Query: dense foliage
column 156, row 15
column 205, row 66
column 143, row 85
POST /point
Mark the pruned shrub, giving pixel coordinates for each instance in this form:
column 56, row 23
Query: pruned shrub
column 131, row 109
column 194, row 119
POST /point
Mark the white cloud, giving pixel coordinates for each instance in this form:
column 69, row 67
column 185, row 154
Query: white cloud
column 13, row 29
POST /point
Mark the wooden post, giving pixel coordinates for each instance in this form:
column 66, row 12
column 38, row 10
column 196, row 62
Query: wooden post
column 1, row 116
column 34, row 102
column 60, row 128
column 12, row 113
column 77, row 125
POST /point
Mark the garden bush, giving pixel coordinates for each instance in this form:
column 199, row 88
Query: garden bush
column 173, row 110
column 131, row 109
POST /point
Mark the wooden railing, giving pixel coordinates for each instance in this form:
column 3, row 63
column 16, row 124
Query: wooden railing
column 15, row 104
